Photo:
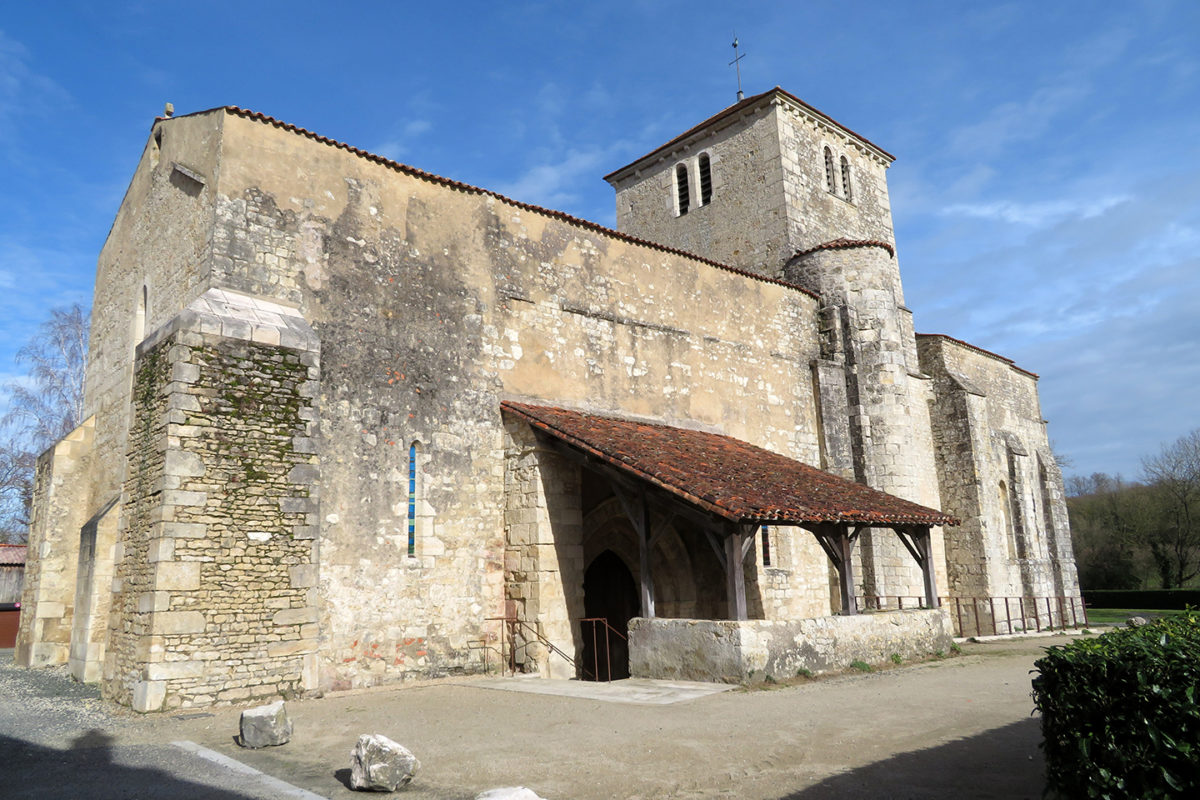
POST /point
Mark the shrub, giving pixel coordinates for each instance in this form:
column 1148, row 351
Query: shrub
column 896, row 659
column 861, row 666
column 1119, row 712
column 804, row 672
column 956, row 648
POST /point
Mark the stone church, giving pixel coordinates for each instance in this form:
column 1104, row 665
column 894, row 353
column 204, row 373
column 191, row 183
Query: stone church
column 352, row 423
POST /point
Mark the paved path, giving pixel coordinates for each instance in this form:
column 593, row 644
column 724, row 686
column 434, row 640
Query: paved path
column 946, row 729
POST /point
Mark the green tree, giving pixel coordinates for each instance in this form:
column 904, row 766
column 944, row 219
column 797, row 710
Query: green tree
column 1175, row 474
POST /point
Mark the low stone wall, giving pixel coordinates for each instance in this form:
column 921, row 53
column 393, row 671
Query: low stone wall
column 729, row 651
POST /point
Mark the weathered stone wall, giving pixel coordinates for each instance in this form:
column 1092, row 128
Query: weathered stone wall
column 739, row 652
column 769, row 192
column 816, row 215
column 998, row 474
column 868, row 335
column 216, row 573
column 744, row 225
column 433, row 304
column 60, row 501
column 543, row 555
column 154, row 262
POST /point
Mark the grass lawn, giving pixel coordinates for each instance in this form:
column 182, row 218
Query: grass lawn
column 1117, row 616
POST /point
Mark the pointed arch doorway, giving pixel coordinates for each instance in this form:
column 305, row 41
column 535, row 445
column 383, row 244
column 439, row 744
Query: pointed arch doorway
column 609, row 592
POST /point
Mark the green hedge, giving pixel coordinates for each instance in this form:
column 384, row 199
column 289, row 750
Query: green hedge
column 1142, row 598
column 1119, row 712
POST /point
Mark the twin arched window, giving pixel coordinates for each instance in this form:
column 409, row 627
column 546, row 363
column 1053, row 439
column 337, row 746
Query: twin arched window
column 832, row 173
column 683, row 189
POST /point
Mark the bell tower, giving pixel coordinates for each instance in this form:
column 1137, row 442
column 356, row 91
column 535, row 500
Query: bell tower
column 773, row 186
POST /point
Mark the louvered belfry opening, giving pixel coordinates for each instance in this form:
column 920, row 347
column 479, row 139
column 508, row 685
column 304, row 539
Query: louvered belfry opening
column 681, row 188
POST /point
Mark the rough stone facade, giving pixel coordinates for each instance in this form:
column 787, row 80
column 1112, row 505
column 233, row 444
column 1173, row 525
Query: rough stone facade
column 297, row 475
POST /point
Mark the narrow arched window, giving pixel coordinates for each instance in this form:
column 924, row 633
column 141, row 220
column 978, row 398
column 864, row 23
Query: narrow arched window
column 682, row 193
column 846, row 193
column 412, row 499
column 1047, row 508
column 1006, row 514
column 765, row 531
column 830, row 178
column 705, row 180
column 139, row 317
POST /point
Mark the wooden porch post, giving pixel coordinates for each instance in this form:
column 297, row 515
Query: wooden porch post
column 845, row 547
column 647, row 582
column 923, row 536
column 735, row 577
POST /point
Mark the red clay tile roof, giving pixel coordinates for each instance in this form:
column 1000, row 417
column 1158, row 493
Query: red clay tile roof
column 12, row 555
column 466, row 187
column 734, row 109
column 846, row 244
column 980, row 350
column 725, row 476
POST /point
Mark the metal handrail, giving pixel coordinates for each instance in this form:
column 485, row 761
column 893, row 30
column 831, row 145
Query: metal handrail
column 1023, row 610
column 607, row 647
column 514, row 625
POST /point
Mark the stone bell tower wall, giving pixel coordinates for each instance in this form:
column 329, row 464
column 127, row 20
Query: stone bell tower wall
column 868, row 332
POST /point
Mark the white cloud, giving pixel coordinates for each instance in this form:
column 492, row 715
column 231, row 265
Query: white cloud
column 554, row 183
column 23, row 92
column 1038, row 213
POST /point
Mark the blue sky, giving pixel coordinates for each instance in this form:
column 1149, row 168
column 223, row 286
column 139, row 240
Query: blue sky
column 1046, row 192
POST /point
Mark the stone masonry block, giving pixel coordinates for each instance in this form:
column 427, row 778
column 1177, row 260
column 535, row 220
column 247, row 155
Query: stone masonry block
column 294, row 616
column 161, row 550
column 169, row 622
column 175, row 497
column 170, row 670
column 304, row 473
column 149, row 602
column 303, row 576
column 185, row 373
column 149, row 695
column 284, row 649
column 185, row 530
column 177, row 575
column 183, row 464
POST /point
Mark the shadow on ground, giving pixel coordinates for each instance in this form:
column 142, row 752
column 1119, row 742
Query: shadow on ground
column 88, row 769
column 1009, row 757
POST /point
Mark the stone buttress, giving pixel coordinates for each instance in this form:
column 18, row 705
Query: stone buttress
column 214, row 589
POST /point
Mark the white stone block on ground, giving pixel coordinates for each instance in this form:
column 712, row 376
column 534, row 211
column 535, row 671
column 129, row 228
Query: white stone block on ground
column 378, row 764
column 509, row 793
column 265, row 726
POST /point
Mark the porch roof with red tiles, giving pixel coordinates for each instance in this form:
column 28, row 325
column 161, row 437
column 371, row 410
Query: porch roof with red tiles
column 724, row 476
column 12, row 555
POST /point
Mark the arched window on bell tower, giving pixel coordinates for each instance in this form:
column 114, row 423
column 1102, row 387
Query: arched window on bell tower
column 683, row 193
column 830, row 178
column 705, row 179
column 846, row 192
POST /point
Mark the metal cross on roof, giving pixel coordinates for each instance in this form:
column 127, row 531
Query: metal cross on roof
column 738, row 67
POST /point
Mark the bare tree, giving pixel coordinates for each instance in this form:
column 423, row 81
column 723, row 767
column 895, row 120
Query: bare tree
column 43, row 406
column 1175, row 472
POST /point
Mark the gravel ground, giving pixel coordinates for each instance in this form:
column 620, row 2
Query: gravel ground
column 956, row 728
